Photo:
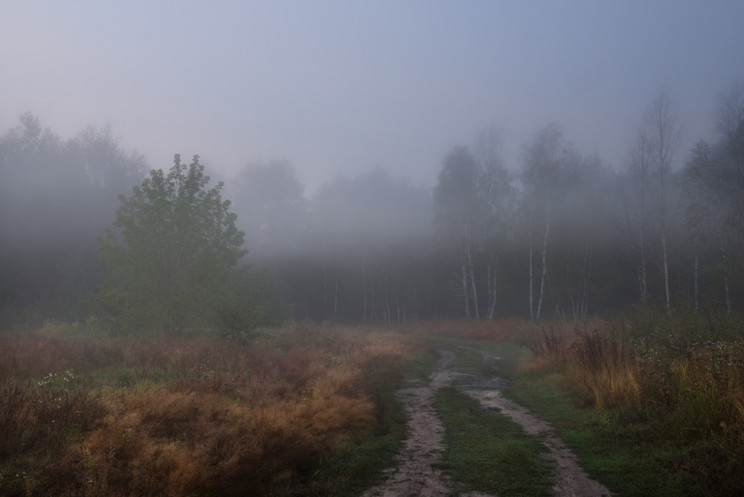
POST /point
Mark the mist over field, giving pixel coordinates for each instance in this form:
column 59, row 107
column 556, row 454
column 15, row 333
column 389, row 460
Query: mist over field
column 385, row 162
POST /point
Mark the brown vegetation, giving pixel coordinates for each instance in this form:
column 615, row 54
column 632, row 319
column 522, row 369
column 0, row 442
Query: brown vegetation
column 690, row 385
column 188, row 416
column 498, row 330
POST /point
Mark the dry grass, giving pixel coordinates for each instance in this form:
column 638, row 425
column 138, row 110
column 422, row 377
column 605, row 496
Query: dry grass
column 196, row 416
column 693, row 389
column 497, row 330
column 598, row 364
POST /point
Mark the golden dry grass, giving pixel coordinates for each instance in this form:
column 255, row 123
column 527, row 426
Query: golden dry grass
column 201, row 416
column 597, row 364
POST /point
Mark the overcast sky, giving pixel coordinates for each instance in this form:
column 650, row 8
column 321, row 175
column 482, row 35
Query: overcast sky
column 344, row 86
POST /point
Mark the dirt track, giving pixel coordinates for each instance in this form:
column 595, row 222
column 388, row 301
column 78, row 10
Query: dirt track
column 417, row 467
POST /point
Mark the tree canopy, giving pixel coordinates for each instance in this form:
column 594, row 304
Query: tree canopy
column 174, row 257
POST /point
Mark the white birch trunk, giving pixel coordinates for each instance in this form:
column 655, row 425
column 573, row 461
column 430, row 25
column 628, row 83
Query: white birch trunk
column 695, row 283
column 465, row 293
column 472, row 283
column 724, row 261
column 544, row 270
column 532, row 279
column 492, row 293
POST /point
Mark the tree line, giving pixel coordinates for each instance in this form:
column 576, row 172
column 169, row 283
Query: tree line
column 90, row 230
column 562, row 235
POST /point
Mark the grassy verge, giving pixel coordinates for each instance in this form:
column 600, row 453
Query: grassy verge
column 489, row 452
column 651, row 406
column 615, row 453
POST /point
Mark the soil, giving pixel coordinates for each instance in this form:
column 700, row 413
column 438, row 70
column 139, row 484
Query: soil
column 417, row 470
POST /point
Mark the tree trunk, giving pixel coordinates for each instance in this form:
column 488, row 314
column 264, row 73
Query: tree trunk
column 472, row 283
column 642, row 269
column 665, row 260
column 587, row 276
column 532, row 279
column 491, row 292
column 364, row 293
column 695, row 284
column 464, row 277
column 724, row 262
column 544, row 270
column 388, row 314
column 335, row 296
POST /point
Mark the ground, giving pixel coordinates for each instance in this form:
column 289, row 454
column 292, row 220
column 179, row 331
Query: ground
column 417, row 470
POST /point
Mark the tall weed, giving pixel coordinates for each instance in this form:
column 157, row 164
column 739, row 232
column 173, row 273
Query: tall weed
column 681, row 376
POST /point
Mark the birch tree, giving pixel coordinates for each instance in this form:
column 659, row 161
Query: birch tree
column 458, row 213
column 664, row 134
column 636, row 200
column 713, row 182
column 647, row 198
column 540, row 176
column 498, row 196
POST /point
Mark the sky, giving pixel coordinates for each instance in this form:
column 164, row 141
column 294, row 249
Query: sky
column 341, row 87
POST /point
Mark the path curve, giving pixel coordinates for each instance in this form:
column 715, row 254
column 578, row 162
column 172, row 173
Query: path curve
column 417, row 467
column 569, row 480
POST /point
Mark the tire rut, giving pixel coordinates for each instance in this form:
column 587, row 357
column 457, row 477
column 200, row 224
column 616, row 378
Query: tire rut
column 417, row 470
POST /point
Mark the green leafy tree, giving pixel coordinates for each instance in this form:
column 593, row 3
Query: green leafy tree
column 173, row 261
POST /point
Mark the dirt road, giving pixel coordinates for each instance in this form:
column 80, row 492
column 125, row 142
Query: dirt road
column 417, row 470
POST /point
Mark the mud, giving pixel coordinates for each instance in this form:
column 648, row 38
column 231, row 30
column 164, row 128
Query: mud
column 417, row 470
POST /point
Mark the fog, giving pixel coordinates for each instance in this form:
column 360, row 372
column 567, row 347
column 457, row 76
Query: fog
column 341, row 87
column 387, row 159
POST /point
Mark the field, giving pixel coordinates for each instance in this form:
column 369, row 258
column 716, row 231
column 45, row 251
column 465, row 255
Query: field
column 650, row 405
column 81, row 415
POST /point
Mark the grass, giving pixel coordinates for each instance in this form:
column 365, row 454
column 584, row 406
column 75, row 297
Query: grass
column 88, row 415
column 489, row 452
column 611, row 451
column 651, row 406
column 652, row 397
column 357, row 463
column 486, row 451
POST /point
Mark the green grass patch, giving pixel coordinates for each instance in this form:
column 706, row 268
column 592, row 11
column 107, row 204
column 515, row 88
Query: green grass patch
column 489, row 452
column 679, row 433
column 622, row 453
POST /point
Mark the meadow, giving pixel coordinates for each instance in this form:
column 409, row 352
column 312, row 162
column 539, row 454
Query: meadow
column 199, row 415
column 657, row 397
column 651, row 404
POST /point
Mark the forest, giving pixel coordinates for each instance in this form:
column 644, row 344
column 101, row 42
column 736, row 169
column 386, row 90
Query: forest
column 557, row 235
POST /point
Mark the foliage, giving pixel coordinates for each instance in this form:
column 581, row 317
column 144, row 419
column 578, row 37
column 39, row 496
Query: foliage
column 173, row 263
column 271, row 208
column 457, row 203
column 56, row 195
